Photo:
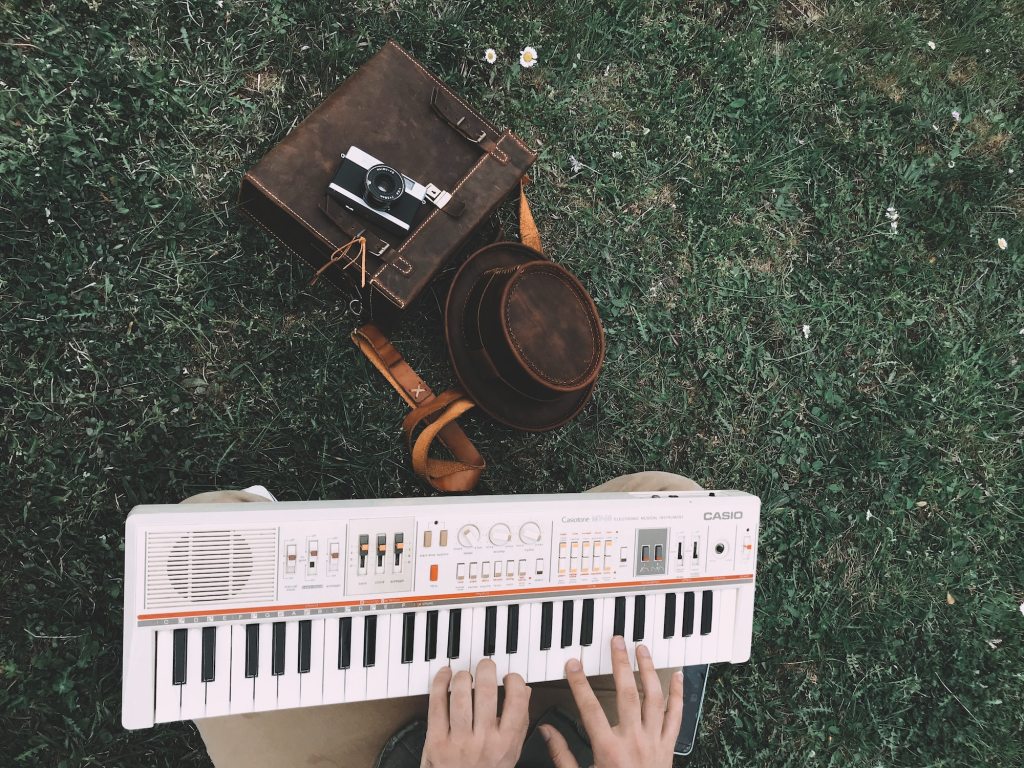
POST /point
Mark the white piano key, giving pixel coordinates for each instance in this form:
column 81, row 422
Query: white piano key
column 500, row 657
column 591, row 655
column 478, row 617
column 193, row 692
column 218, row 690
column 311, row 684
column 743, row 627
column 419, row 669
column 694, row 643
column 677, row 645
column 377, row 675
column 725, row 618
column 553, row 664
column 537, row 660
column 650, row 623
column 355, row 675
column 265, row 690
column 604, row 637
column 242, row 687
column 440, row 660
column 334, row 677
column 398, row 673
column 168, row 695
column 659, row 644
column 518, row 662
column 288, row 692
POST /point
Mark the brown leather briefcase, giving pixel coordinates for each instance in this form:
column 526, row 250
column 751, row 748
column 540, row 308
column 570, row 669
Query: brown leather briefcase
column 393, row 109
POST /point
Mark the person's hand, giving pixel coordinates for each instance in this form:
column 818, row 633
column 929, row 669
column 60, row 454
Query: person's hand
column 645, row 736
column 472, row 735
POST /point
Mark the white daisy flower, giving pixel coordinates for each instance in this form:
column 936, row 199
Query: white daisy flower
column 575, row 164
column 806, row 331
column 1001, row 242
column 891, row 213
column 956, row 115
column 490, row 56
column 869, row 515
column 528, row 57
column 931, row 44
column 1022, row 608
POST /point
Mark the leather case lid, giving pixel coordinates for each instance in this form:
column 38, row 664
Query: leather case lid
column 399, row 112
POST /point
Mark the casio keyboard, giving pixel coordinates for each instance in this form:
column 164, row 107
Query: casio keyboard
column 235, row 608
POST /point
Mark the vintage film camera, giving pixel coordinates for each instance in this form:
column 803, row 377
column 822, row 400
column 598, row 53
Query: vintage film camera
column 381, row 194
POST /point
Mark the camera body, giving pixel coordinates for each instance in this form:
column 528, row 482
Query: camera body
column 378, row 192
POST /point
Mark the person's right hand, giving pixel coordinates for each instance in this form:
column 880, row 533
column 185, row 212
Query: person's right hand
column 645, row 736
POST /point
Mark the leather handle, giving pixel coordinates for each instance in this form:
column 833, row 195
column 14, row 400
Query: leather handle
column 468, row 125
column 437, row 412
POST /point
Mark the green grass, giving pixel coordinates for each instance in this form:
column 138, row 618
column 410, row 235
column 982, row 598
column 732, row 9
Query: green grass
column 740, row 157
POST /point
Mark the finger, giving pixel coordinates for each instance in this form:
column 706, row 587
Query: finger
column 558, row 748
column 674, row 710
column 627, row 698
column 654, row 698
column 591, row 712
column 485, row 713
column 515, row 712
column 437, row 708
column 462, row 703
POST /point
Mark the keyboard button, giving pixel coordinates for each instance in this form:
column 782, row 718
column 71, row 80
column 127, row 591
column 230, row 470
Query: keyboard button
column 608, row 609
column 512, row 629
column 180, row 656
column 546, row 614
column 553, row 663
column 278, row 648
column 419, row 667
column 566, row 633
column 408, row 636
column 454, row 633
column 536, row 659
column 431, row 645
column 355, row 675
column 688, row 614
column 628, row 637
column 377, row 674
column 370, row 640
column 265, row 688
column 619, row 627
column 193, row 691
column 305, row 645
column 669, row 621
column 242, row 682
column 252, row 649
column 587, row 624
column 519, row 661
column 478, row 623
column 441, row 655
column 289, row 687
column 658, row 643
column 333, row 673
column 344, row 642
column 490, row 629
column 209, row 667
column 397, row 670
column 723, row 632
column 639, row 617
column 706, row 612
column 590, row 654
column 500, row 657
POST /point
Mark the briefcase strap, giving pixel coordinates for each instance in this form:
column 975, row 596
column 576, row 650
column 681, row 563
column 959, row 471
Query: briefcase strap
column 436, row 413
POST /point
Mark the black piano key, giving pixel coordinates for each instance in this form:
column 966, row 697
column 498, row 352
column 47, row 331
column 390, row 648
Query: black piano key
column 370, row 641
column 252, row 650
column 490, row 629
column 408, row 632
column 619, row 627
column 209, row 653
column 345, row 642
column 512, row 630
column 305, row 645
column 277, row 649
column 546, row 615
column 639, row 617
column 587, row 623
column 431, row 649
column 454, row 633
column 566, row 623
column 688, row 614
column 670, row 615
column 705, row 612
column 180, row 654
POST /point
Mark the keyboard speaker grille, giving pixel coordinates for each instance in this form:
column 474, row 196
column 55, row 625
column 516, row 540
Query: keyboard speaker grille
column 185, row 568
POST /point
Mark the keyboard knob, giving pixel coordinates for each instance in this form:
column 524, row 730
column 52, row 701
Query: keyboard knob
column 469, row 535
column 529, row 533
column 500, row 535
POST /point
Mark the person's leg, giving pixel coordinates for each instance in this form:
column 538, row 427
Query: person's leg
column 556, row 693
column 342, row 735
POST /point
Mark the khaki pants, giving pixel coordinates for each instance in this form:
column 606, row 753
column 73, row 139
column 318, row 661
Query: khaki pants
column 352, row 735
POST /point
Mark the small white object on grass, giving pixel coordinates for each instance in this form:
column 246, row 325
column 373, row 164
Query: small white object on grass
column 528, row 57
column 1001, row 242
column 931, row 44
column 490, row 56
column 956, row 115
column 806, row 331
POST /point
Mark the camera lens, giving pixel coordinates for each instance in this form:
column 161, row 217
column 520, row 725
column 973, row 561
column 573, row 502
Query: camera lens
column 384, row 185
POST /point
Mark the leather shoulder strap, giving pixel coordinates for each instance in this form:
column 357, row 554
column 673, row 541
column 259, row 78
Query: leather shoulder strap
column 438, row 412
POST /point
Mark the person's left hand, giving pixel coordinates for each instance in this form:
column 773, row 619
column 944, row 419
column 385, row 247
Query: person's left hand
column 472, row 735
